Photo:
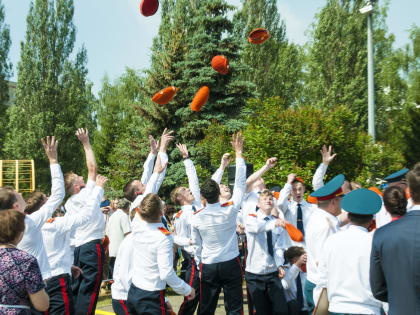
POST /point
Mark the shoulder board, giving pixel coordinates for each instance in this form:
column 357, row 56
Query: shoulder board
column 252, row 215
column 50, row 220
column 164, row 231
column 275, row 217
column 178, row 214
column 197, row 211
column 227, row 204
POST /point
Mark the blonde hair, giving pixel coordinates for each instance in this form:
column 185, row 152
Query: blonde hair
column 266, row 193
column 174, row 196
column 151, row 208
column 69, row 179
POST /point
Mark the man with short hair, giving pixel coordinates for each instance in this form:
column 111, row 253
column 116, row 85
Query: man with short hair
column 395, row 257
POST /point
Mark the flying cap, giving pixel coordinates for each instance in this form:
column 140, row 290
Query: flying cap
column 362, row 201
column 200, row 99
column 331, row 189
column 258, row 36
column 149, row 7
column 164, row 96
column 397, row 176
column 376, row 189
column 220, row 64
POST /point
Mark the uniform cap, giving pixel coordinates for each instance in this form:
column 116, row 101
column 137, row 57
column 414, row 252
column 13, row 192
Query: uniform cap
column 294, row 233
column 164, row 96
column 362, row 201
column 376, row 189
column 149, row 7
column 220, row 64
column 331, row 189
column 312, row 200
column 200, row 99
column 397, row 176
column 258, row 36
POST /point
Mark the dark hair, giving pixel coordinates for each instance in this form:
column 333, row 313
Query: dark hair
column 413, row 178
column 7, row 198
column 395, row 200
column 151, row 208
column 57, row 212
column 12, row 223
column 34, row 201
column 292, row 253
column 210, row 191
column 360, row 219
column 130, row 191
column 123, row 204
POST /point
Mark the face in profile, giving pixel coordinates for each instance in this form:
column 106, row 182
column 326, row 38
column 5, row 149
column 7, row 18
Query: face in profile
column 225, row 192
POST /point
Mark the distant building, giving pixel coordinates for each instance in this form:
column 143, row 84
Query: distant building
column 12, row 93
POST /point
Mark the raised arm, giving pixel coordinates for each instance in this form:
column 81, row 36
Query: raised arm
column 148, row 164
column 83, row 136
column 271, row 162
column 167, row 137
column 217, row 176
column 327, row 157
column 191, row 172
column 285, row 192
column 153, row 184
column 240, row 172
column 39, row 217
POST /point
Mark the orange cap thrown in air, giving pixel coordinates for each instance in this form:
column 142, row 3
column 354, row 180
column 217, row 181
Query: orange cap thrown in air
column 220, row 64
column 164, row 96
column 258, row 36
column 200, row 99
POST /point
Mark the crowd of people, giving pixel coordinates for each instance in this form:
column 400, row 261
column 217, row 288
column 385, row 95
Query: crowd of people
column 357, row 252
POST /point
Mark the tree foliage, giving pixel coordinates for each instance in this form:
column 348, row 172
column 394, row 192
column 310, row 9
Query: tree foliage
column 53, row 96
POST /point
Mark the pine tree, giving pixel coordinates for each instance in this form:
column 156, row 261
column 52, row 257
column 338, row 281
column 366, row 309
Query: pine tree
column 276, row 64
column 5, row 72
column 53, row 96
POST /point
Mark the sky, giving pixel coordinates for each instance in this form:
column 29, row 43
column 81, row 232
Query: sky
column 117, row 36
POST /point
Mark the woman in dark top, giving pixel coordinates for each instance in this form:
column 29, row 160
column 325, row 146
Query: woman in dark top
column 20, row 278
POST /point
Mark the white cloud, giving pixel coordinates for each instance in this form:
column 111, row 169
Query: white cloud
column 295, row 27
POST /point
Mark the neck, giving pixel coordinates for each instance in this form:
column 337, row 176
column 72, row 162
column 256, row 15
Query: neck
column 223, row 200
column 7, row 245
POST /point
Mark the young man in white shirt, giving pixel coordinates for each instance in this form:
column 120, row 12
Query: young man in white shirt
column 344, row 261
column 32, row 241
column 214, row 233
column 266, row 242
column 152, row 262
column 87, row 239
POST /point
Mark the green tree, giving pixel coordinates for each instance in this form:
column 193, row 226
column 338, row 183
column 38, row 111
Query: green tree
column 5, row 72
column 53, row 96
column 276, row 65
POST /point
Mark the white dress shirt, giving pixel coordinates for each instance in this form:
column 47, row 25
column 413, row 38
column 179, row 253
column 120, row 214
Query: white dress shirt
column 214, row 227
column 344, row 271
column 32, row 241
column 258, row 260
column 94, row 228
column 183, row 229
column 56, row 234
column 320, row 226
column 153, row 256
column 382, row 217
column 118, row 226
column 122, row 269
column 289, row 283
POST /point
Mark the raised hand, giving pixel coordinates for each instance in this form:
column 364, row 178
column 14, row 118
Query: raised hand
column 183, row 149
column 237, row 144
column 327, row 157
column 301, row 260
column 226, row 159
column 159, row 168
column 271, row 162
column 153, row 145
column 50, row 147
column 101, row 180
column 291, row 178
column 83, row 136
column 167, row 137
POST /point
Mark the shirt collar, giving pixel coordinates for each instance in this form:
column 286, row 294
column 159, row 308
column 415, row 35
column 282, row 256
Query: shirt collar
column 358, row 227
column 186, row 207
column 213, row 205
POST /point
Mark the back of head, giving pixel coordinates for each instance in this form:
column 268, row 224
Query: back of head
column 210, row 191
column 413, row 179
column 123, row 204
column 12, row 224
column 130, row 191
column 69, row 179
column 395, row 200
column 34, row 201
column 151, row 208
column 7, row 198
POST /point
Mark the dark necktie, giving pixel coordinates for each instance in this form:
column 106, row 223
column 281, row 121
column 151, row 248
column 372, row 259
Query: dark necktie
column 269, row 239
column 164, row 222
column 193, row 208
column 299, row 291
column 300, row 219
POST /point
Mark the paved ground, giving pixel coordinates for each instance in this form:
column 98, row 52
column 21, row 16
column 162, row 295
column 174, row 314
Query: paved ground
column 105, row 308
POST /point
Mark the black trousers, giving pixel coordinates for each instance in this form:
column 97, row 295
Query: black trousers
column 227, row 275
column 90, row 258
column 192, row 277
column 111, row 267
column 61, row 296
column 142, row 302
column 267, row 294
column 185, row 263
column 120, row 307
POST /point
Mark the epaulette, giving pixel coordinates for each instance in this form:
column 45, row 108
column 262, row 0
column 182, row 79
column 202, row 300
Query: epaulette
column 227, row 204
column 197, row 211
column 50, row 220
column 164, row 231
column 178, row 214
column 252, row 215
column 137, row 210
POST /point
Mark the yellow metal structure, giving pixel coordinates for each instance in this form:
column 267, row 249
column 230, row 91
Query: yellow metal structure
column 18, row 173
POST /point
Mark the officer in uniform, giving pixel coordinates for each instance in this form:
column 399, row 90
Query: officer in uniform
column 322, row 223
column 344, row 264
